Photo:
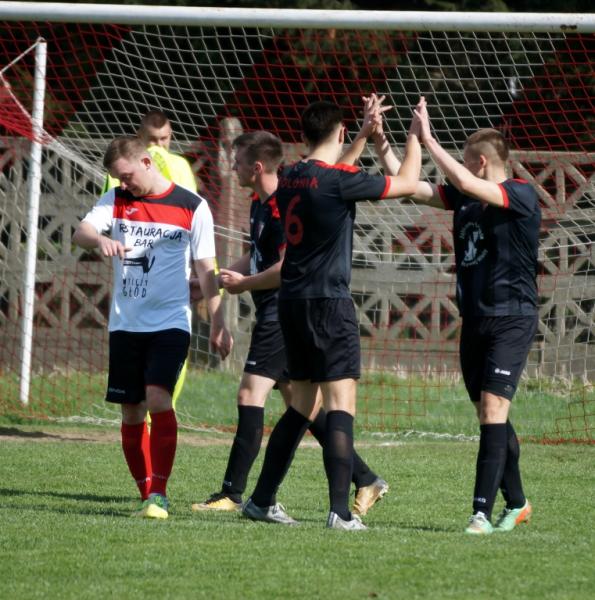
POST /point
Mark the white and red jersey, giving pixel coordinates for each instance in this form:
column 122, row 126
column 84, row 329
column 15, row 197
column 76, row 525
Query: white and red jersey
column 150, row 291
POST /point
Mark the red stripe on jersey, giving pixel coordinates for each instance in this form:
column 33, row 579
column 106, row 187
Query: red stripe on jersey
column 386, row 188
column 274, row 208
column 167, row 191
column 338, row 167
column 443, row 197
column 137, row 210
column 505, row 200
column 518, row 180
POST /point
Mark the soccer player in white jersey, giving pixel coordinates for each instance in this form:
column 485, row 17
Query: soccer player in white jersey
column 156, row 132
column 151, row 228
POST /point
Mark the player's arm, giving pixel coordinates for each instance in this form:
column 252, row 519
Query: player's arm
column 407, row 178
column 425, row 193
column 241, row 266
column 236, row 283
column 455, row 172
column 373, row 110
column 220, row 339
column 86, row 236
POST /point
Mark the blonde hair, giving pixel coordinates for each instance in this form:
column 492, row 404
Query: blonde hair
column 490, row 143
column 129, row 146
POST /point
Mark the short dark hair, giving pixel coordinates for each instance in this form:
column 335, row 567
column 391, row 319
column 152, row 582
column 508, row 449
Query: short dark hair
column 261, row 146
column 483, row 140
column 154, row 118
column 128, row 146
column 319, row 120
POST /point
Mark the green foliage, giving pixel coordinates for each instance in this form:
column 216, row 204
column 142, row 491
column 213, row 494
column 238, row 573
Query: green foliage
column 67, row 533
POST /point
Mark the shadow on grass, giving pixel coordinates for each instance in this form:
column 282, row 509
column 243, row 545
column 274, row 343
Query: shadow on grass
column 116, row 512
column 39, row 435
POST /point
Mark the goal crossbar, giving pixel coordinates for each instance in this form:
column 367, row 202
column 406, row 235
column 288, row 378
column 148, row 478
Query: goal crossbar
column 315, row 19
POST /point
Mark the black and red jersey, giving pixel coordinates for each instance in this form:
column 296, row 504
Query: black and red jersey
column 267, row 240
column 317, row 205
column 496, row 250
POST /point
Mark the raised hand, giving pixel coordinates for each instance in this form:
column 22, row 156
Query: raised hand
column 373, row 111
column 421, row 120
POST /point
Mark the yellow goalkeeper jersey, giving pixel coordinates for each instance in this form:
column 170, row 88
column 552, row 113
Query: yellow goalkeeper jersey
column 172, row 166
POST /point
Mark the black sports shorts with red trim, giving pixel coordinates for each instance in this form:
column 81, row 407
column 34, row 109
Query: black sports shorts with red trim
column 140, row 359
column 321, row 337
column 267, row 356
column 493, row 353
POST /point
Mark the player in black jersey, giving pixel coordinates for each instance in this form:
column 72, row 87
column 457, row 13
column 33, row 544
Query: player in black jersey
column 317, row 200
column 257, row 158
column 496, row 223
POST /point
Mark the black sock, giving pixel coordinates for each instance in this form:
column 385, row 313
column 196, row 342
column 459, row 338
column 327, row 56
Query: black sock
column 244, row 450
column 338, row 460
column 511, row 486
column 490, row 466
column 362, row 474
column 283, row 442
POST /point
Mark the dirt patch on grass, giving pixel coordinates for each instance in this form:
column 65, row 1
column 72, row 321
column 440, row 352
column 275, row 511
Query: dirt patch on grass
column 99, row 436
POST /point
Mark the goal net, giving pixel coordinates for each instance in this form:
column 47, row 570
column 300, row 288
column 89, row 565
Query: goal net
column 215, row 82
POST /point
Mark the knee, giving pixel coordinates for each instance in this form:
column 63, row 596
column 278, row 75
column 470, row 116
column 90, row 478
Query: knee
column 158, row 399
column 247, row 397
column 493, row 409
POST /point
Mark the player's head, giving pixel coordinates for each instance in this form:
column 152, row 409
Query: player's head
column 322, row 121
column 127, row 159
column 155, row 129
column 486, row 146
column 256, row 153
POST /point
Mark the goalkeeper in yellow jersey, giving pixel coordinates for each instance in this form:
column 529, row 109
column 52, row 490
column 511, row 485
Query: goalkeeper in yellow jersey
column 155, row 130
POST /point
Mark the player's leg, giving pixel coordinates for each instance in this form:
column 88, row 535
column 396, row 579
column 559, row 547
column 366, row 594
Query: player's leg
column 473, row 348
column 491, row 458
column 520, row 333
column 508, row 340
column 135, row 445
column 369, row 488
column 126, row 387
column 166, row 352
column 265, row 364
column 335, row 365
column 339, row 401
column 252, row 395
column 284, row 439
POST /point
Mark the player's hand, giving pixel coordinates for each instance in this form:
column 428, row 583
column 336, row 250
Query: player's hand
column 421, row 121
column 109, row 247
column 195, row 290
column 373, row 111
column 232, row 281
column 220, row 341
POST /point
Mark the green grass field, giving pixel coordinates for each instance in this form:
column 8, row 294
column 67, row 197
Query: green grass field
column 386, row 403
column 65, row 530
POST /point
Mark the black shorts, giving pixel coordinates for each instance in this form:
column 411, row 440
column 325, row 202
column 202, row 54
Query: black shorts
column 493, row 352
column 266, row 356
column 321, row 337
column 140, row 359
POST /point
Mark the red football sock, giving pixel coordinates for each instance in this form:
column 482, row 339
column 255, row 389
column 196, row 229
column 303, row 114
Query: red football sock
column 164, row 439
column 135, row 444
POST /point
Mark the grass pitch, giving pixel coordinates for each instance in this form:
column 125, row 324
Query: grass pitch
column 65, row 530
